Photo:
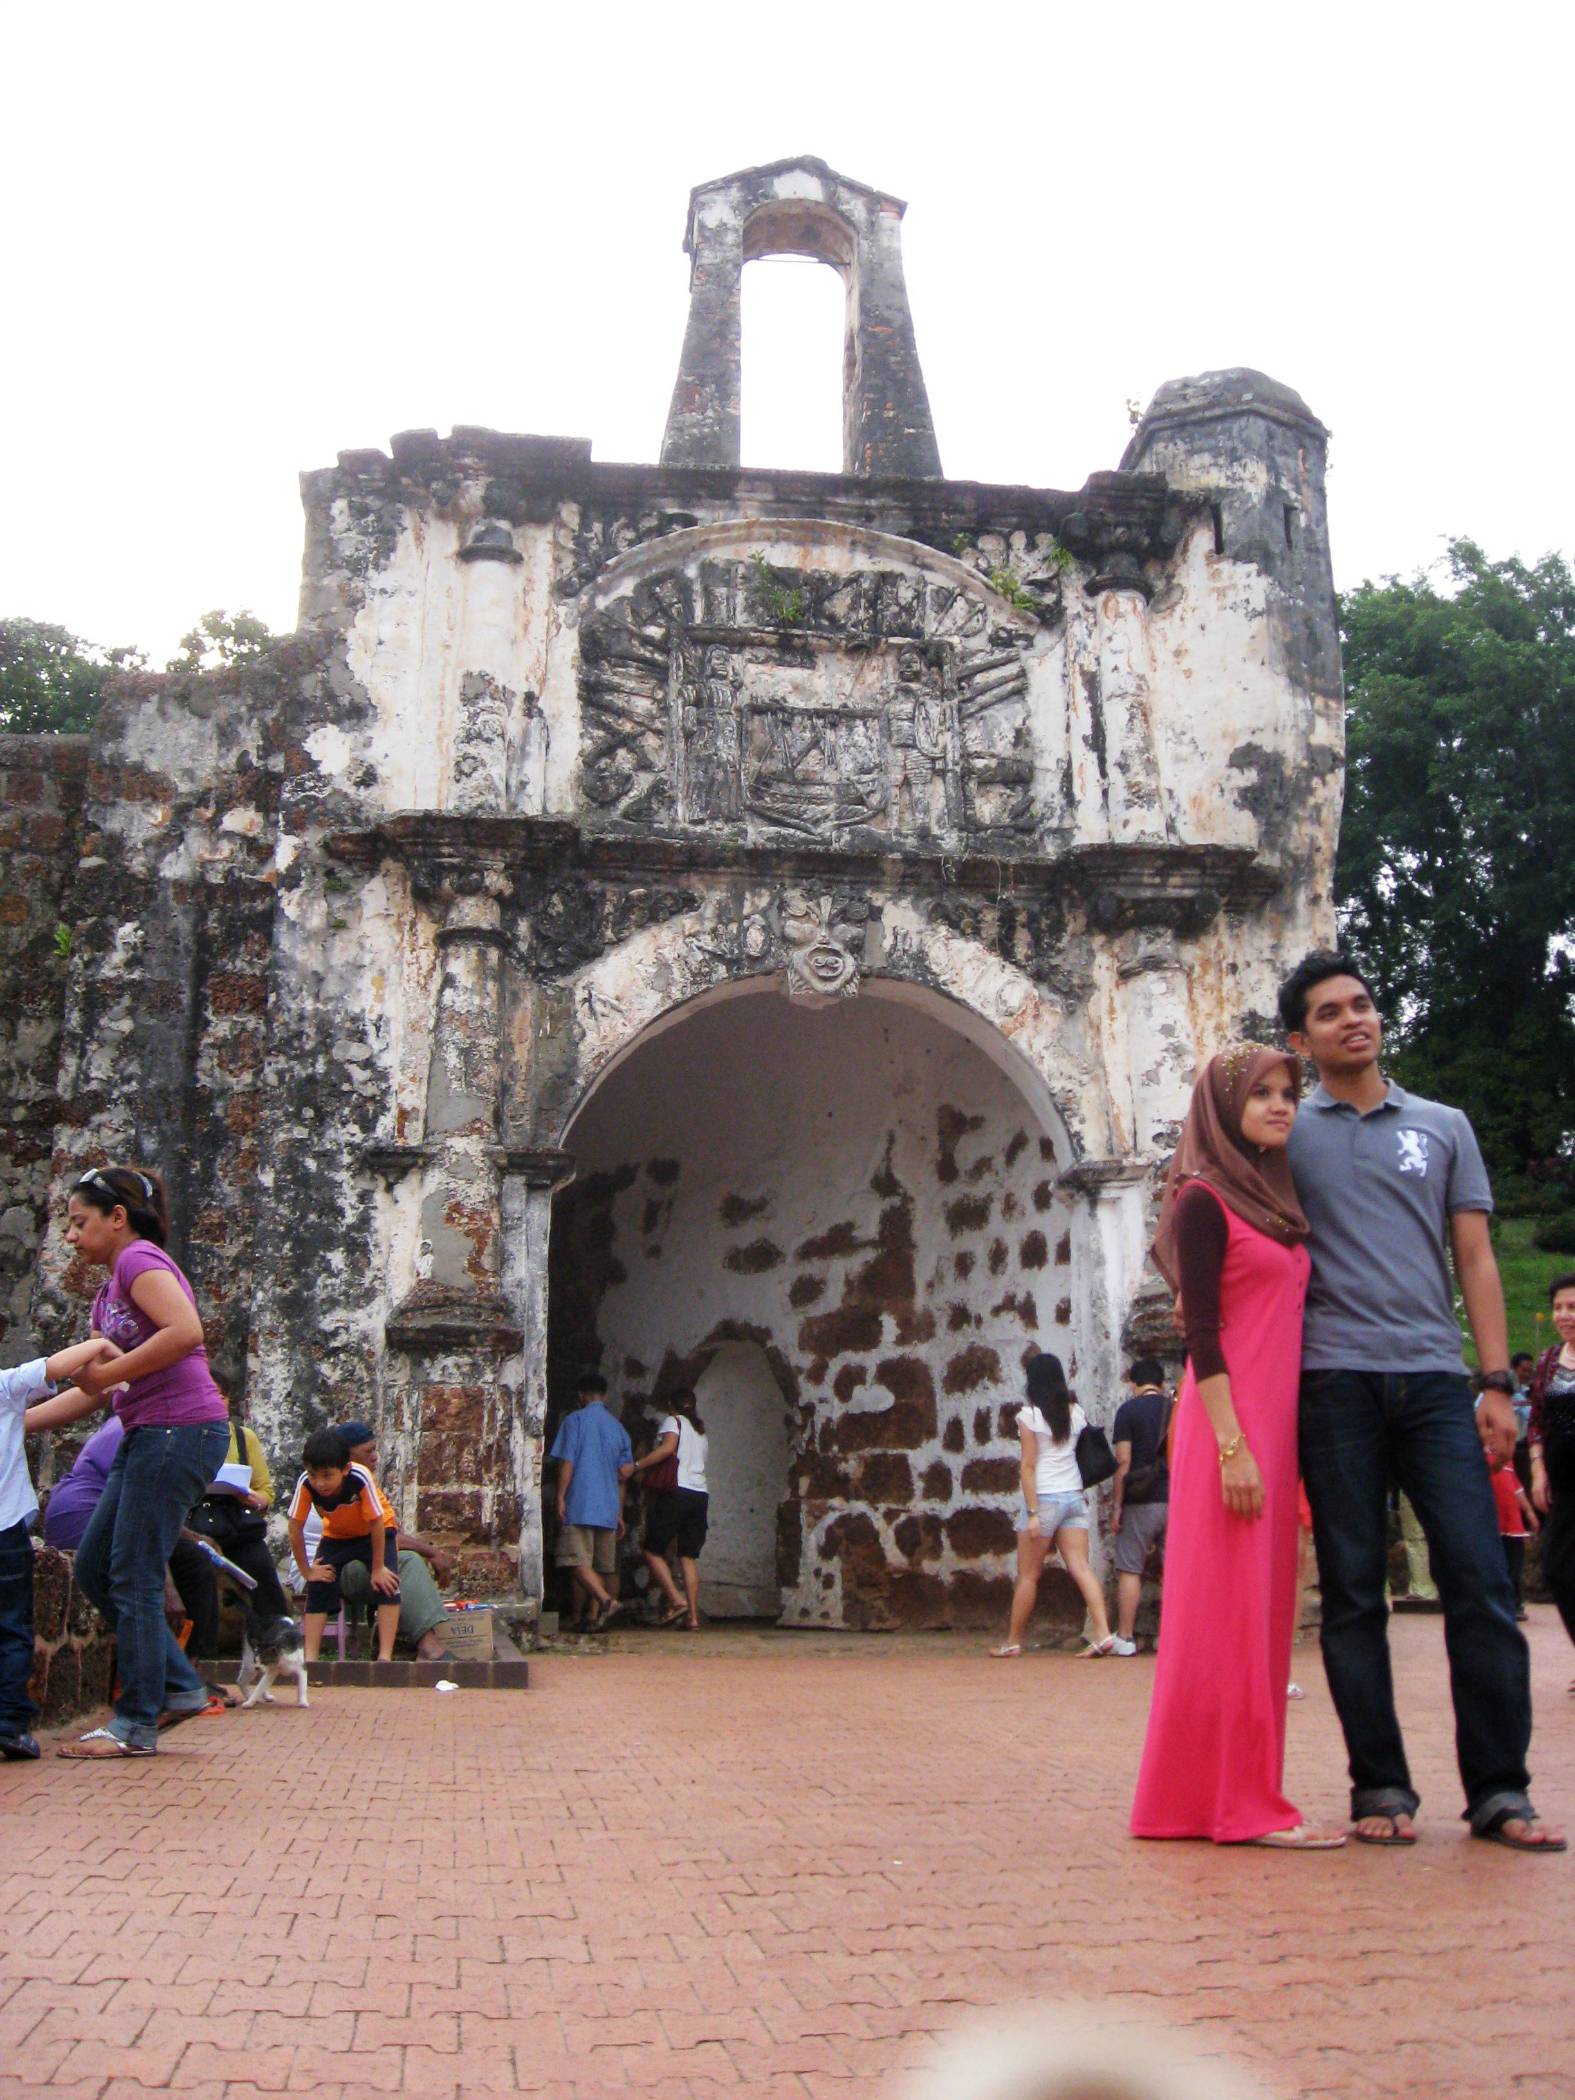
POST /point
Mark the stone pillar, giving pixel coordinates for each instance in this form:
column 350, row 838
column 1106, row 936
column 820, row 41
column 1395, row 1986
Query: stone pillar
column 1162, row 1051
column 705, row 420
column 451, row 1409
column 530, row 1180
column 1133, row 797
column 488, row 644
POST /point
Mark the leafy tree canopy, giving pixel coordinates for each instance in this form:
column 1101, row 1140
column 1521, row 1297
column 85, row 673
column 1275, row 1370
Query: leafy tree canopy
column 221, row 638
column 49, row 680
column 1456, row 876
column 52, row 681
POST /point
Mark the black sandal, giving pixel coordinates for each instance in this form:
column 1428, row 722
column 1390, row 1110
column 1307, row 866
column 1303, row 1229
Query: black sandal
column 1498, row 1835
column 1391, row 1816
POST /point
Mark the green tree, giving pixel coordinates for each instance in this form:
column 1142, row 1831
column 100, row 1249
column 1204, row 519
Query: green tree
column 49, row 680
column 221, row 638
column 1456, row 876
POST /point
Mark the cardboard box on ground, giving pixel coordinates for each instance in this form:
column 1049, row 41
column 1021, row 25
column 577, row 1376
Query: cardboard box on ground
column 467, row 1635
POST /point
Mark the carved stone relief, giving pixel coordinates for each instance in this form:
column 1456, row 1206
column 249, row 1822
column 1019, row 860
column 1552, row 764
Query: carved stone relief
column 868, row 709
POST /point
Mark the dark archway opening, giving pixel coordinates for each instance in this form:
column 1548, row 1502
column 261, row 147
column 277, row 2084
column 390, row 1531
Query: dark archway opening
column 843, row 1226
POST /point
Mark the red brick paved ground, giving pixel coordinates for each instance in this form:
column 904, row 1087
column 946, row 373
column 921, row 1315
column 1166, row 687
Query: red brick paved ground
column 761, row 1867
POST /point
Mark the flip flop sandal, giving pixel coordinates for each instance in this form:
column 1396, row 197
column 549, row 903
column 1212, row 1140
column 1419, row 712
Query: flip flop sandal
column 1004, row 1654
column 671, row 1618
column 175, row 1715
column 1402, row 1838
column 1300, row 1838
column 1096, row 1649
column 98, row 1745
column 1500, row 1836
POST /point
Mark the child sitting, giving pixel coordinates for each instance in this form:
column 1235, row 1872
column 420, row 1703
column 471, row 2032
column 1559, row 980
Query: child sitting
column 355, row 1528
column 18, row 1507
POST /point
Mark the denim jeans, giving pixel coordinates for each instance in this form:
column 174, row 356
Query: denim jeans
column 1359, row 1430
column 17, row 1711
column 157, row 1475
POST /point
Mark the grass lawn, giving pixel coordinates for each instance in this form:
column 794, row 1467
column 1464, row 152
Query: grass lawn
column 1527, row 1272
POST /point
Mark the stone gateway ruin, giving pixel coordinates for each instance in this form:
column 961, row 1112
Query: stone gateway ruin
column 746, row 928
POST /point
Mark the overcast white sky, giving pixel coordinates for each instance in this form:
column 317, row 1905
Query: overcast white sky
column 237, row 239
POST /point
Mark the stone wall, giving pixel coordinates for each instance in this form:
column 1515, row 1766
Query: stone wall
column 73, row 1650
column 42, row 781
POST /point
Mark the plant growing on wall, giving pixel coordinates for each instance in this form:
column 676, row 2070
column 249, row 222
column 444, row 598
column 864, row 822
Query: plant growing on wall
column 782, row 606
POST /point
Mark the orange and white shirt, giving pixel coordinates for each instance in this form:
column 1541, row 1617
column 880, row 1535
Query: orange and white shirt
column 351, row 1514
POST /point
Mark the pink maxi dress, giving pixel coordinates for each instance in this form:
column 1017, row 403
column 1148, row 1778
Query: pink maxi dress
column 1214, row 1756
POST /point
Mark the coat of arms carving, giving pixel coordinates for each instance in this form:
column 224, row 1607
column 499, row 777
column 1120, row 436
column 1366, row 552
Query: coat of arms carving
column 887, row 708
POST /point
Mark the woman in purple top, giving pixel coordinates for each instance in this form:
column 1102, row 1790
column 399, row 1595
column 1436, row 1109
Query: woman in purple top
column 177, row 1434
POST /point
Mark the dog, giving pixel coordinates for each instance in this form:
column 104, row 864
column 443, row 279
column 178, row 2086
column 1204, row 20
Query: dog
column 278, row 1651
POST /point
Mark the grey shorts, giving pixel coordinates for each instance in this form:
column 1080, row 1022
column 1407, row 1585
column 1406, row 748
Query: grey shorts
column 1142, row 1528
column 1056, row 1513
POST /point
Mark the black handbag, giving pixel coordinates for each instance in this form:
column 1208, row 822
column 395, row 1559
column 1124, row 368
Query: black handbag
column 223, row 1518
column 1095, row 1459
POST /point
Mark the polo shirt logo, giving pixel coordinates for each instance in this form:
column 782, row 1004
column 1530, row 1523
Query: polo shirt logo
column 1413, row 1152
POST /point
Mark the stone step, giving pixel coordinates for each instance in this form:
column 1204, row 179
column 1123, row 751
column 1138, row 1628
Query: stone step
column 505, row 1674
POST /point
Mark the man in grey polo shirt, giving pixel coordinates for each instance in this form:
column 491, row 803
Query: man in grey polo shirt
column 1392, row 1185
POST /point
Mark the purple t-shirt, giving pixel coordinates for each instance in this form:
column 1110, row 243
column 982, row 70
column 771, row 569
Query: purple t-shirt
column 74, row 1500
column 183, row 1391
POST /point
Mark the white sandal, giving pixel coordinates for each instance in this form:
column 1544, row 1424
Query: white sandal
column 1095, row 1649
column 1002, row 1654
column 1301, row 1837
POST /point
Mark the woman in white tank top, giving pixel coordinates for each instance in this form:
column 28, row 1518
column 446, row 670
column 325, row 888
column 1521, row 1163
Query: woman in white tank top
column 677, row 1510
column 1053, row 1510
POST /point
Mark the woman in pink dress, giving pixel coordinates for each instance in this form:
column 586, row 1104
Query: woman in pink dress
column 1231, row 1240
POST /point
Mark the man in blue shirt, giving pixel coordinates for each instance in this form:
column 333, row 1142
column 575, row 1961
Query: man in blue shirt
column 1392, row 1186
column 595, row 1458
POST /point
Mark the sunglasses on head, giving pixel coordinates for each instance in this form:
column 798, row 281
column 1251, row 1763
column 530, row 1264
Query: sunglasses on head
column 94, row 1179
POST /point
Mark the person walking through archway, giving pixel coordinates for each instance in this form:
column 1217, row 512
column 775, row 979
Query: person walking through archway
column 677, row 1506
column 1053, row 1510
column 1232, row 1240
column 177, row 1432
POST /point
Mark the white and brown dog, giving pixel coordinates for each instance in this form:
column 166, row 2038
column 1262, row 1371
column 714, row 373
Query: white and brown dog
column 279, row 1652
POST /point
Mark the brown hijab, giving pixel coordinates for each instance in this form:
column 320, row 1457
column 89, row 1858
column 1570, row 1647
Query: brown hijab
column 1256, row 1184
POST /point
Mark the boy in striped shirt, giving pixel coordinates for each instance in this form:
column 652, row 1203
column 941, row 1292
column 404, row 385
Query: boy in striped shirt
column 357, row 1525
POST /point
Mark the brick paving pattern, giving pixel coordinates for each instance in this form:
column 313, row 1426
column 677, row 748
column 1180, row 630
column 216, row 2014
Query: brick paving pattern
column 751, row 1866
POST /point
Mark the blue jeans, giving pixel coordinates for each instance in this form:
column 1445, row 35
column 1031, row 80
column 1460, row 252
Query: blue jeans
column 17, row 1711
column 157, row 1475
column 1359, row 1430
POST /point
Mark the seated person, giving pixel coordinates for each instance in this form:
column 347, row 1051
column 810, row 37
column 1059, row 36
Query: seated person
column 422, row 1567
column 238, row 1526
column 356, row 1527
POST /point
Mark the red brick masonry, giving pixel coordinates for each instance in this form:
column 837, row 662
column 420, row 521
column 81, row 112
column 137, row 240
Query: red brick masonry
column 774, row 1866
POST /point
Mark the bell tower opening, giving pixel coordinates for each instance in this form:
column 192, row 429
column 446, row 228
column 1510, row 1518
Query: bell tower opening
column 795, row 316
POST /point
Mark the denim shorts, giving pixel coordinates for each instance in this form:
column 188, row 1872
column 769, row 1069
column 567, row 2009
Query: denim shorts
column 1055, row 1513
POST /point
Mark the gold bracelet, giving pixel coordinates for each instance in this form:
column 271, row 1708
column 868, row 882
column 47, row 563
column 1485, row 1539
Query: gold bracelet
column 1228, row 1451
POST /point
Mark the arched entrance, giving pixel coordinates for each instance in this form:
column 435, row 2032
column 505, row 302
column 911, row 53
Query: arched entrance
column 842, row 1225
